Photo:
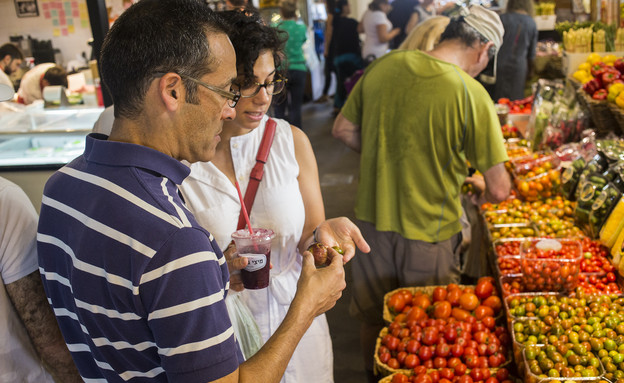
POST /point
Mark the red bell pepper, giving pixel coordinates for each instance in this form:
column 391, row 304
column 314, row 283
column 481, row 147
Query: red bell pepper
column 592, row 86
column 608, row 77
column 600, row 94
column 619, row 64
column 598, row 69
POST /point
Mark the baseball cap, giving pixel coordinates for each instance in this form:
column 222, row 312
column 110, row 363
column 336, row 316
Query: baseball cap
column 489, row 25
column 6, row 92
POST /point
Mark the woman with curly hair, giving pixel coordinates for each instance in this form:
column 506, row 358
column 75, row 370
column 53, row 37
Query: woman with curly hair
column 288, row 200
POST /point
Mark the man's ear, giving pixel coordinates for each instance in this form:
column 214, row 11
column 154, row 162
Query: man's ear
column 5, row 60
column 171, row 90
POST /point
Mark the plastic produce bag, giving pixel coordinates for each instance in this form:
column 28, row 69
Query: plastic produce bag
column 309, row 52
column 245, row 327
column 556, row 117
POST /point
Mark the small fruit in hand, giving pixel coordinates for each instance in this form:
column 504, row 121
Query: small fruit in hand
column 321, row 253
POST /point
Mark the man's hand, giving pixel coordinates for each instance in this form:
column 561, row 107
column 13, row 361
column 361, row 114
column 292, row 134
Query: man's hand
column 235, row 265
column 320, row 288
column 477, row 195
column 343, row 233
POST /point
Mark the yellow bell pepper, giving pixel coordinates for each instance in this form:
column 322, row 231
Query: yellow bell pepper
column 619, row 100
column 593, row 58
column 614, row 91
column 609, row 59
column 580, row 76
column 585, row 66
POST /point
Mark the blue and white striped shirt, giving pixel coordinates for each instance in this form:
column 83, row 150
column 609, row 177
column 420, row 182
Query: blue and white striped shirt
column 137, row 285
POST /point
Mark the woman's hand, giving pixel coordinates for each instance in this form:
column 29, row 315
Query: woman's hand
column 343, row 233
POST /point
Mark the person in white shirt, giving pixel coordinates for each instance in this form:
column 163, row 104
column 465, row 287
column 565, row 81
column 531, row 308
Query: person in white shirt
column 30, row 340
column 377, row 30
column 10, row 60
column 33, row 82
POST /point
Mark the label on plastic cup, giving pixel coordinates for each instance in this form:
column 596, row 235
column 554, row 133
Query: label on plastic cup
column 256, row 261
column 549, row 244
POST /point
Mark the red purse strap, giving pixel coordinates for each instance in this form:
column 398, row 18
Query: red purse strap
column 258, row 171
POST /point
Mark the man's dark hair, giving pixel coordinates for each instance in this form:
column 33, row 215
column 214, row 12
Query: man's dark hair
column 251, row 37
column 11, row 50
column 157, row 36
column 56, row 76
column 458, row 29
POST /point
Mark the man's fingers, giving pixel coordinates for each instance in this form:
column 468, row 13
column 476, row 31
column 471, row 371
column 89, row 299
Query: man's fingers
column 238, row 263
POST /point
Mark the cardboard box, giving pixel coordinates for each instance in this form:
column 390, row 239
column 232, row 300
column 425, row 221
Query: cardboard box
column 545, row 23
column 571, row 61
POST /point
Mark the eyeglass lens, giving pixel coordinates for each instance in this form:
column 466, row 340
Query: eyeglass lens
column 272, row 88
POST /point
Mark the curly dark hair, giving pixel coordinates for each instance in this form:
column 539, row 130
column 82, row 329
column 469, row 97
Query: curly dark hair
column 251, row 37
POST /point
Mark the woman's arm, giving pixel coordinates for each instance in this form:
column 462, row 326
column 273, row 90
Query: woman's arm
column 309, row 185
column 413, row 21
column 384, row 35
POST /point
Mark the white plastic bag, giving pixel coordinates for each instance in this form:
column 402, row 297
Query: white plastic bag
column 245, row 328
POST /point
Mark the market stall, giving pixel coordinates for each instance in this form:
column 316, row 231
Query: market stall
column 553, row 309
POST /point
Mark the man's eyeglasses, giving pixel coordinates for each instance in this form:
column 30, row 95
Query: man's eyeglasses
column 232, row 96
column 273, row 87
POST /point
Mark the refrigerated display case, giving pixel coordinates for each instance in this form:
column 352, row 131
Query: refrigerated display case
column 35, row 142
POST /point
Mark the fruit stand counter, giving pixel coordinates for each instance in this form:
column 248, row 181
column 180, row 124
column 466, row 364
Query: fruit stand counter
column 445, row 333
column 553, row 308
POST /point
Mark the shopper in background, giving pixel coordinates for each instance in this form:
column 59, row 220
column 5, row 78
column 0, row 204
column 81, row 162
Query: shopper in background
column 31, row 339
column 138, row 286
column 288, row 200
column 33, row 82
column 399, row 16
column 515, row 60
column 377, row 30
column 422, row 12
column 426, row 34
column 289, row 106
column 413, row 161
column 330, row 5
column 347, row 52
column 11, row 59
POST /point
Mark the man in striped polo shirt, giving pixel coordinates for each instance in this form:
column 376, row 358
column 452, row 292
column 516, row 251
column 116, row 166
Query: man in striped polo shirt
column 136, row 284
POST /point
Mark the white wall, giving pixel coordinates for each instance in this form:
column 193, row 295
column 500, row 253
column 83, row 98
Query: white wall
column 41, row 28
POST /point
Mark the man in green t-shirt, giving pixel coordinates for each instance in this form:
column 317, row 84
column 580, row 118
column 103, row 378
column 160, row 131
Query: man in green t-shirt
column 416, row 118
